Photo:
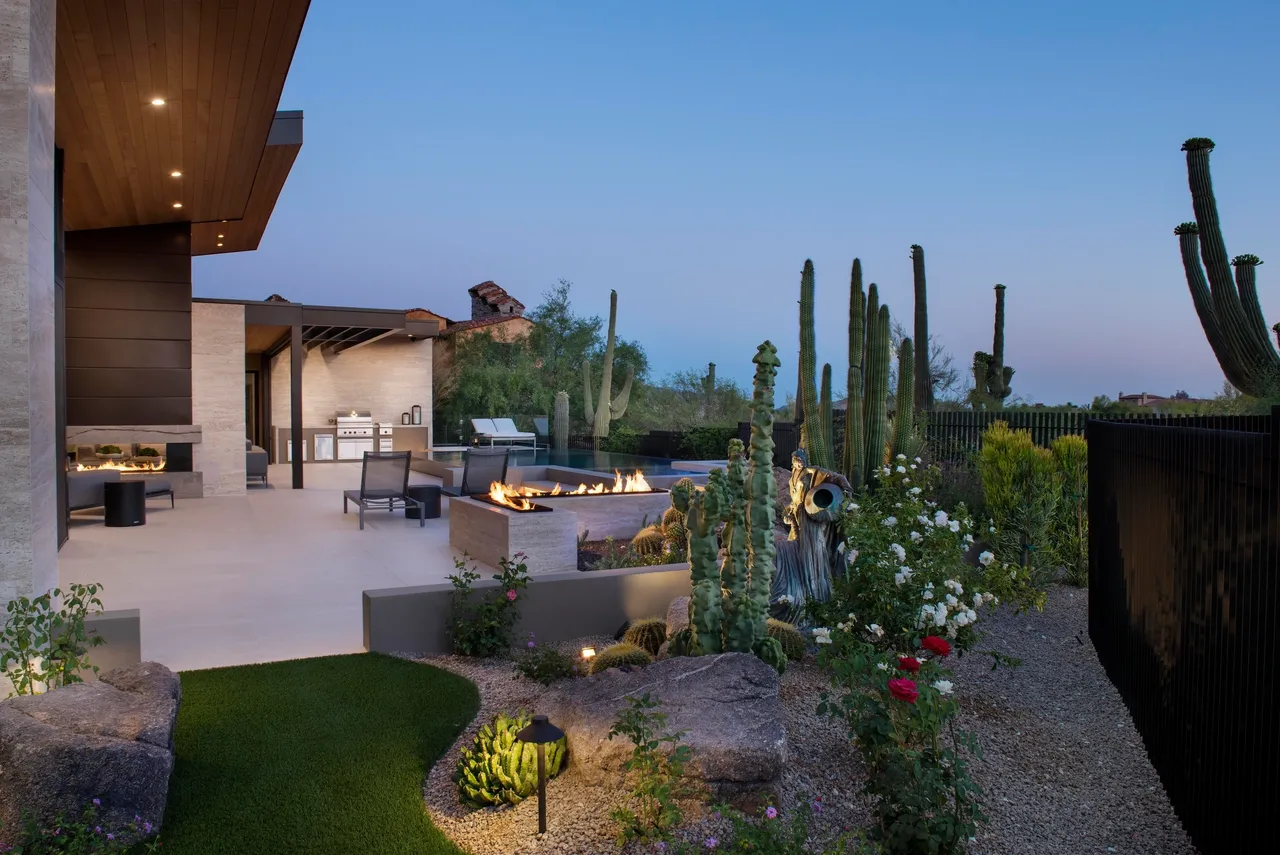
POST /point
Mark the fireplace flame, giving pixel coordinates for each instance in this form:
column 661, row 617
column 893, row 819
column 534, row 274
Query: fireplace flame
column 135, row 465
column 501, row 494
column 621, row 484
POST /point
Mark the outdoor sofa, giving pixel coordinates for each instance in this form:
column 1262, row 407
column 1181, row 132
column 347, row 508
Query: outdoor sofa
column 502, row 430
column 255, row 462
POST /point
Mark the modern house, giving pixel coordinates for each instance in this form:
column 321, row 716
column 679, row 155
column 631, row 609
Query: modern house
column 137, row 136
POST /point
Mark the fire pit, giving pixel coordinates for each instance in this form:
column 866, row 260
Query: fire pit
column 137, row 464
column 618, row 510
column 489, row 530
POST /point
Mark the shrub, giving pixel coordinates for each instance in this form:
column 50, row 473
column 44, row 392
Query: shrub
column 706, row 443
column 110, row 449
column 771, row 832
column 622, row 653
column 43, row 647
column 1070, row 532
column 621, row 440
column 484, row 628
column 544, row 664
column 1023, row 487
column 647, row 634
column 654, row 774
column 147, row 452
column 792, row 640
column 82, row 836
column 499, row 769
column 626, row 555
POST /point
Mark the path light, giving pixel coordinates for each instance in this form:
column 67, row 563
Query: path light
column 588, row 652
column 541, row 733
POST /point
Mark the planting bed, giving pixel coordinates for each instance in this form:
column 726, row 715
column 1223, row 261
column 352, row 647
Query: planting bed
column 1064, row 770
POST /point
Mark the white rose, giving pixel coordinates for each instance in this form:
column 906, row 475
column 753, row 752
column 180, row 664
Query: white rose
column 977, row 600
column 822, row 635
column 940, row 519
column 926, row 594
column 901, row 457
column 889, row 522
column 881, row 666
column 915, row 491
column 986, row 558
column 851, row 556
column 971, row 615
column 898, row 551
column 901, row 470
column 918, row 460
column 951, row 599
column 940, row 615
column 875, row 630
column 943, row 686
column 916, row 537
column 968, row 538
column 953, row 525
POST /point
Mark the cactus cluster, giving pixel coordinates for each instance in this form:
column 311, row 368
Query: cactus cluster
column 665, row 537
column 792, row 640
column 1229, row 311
column 990, row 375
column 609, row 408
column 647, row 633
column 499, row 769
column 729, row 605
column 622, row 653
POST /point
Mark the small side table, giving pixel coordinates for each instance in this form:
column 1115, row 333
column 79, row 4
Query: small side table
column 126, row 503
column 428, row 493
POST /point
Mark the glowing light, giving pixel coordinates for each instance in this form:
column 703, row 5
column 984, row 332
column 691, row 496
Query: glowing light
column 588, row 652
column 157, row 102
column 177, row 204
column 177, row 173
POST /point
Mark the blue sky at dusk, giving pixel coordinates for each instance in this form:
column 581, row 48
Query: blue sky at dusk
column 692, row 155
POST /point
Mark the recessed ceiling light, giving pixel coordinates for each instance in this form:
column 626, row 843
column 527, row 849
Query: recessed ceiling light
column 219, row 243
column 157, row 102
column 220, row 237
column 177, row 204
column 175, row 174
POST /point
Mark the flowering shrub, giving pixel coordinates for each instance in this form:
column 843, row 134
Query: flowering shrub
column 770, row 833
column 544, row 664
column 907, row 575
column 484, row 628
column 900, row 709
column 83, row 836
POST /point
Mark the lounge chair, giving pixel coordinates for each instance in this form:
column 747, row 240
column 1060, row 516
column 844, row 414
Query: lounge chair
column 542, row 428
column 482, row 467
column 384, row 483
column 503, row 430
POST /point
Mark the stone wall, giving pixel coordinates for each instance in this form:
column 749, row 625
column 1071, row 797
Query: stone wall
column 217, row 395
column 386, row 377
column 28, row 432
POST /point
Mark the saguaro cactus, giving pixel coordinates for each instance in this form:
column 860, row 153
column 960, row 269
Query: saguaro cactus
column 990, row 375
column 904, row 419
column 923, row 371
column 875, row 417
column 1229, row 311
column 709, row 389
column 608, row 410
column 825, row 412
column 560, row 427
column 855, row 448
column 812, row 435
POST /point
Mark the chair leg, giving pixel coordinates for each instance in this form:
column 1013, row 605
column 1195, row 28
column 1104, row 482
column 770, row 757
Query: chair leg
column 171, row 502
column 362, row 517
column 344, row 504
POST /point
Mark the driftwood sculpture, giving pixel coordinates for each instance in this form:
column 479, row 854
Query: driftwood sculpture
column 809, row 558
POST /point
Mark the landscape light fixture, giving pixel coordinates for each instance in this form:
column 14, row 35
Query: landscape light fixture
column 588, row 652
column 541, row 733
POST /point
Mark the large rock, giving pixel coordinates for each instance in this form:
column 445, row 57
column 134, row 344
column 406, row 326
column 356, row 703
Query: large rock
column 677, row 615
column 110, row 740
column 727, row 705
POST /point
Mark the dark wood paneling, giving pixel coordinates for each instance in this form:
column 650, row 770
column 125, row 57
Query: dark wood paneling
column 60, row 344
column 134, row 324
column 122, row 353
column 128, row 382
column 128, row 411
column 128, row 326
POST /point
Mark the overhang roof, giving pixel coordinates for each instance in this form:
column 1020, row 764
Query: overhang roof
column 268, row 324
column 220, row 67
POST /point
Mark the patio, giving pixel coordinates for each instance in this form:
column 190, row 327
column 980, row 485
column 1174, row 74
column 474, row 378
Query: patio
column 275, row 574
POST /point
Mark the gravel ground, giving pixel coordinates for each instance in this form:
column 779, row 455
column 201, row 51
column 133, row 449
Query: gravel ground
column 1063, row 770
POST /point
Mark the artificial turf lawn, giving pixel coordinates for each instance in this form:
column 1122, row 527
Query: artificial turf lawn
column 320, row 755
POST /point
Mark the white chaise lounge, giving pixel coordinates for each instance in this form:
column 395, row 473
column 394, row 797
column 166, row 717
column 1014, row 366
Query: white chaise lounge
column 502, row 430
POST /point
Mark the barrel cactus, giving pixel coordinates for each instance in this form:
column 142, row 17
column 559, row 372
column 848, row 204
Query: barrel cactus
column 647, row 634
column 499, row 769
column 792, row 640
column 650, row 540
column 622, row 653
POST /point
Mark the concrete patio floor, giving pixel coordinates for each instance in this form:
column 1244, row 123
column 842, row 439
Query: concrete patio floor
column 276, row 574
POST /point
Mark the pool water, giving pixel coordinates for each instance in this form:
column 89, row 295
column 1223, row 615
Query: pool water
column 595, row 461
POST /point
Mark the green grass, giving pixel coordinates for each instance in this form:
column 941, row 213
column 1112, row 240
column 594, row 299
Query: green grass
column 312, row 756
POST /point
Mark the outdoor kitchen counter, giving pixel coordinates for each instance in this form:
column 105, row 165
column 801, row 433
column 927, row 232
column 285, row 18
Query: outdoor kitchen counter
column 403, row 438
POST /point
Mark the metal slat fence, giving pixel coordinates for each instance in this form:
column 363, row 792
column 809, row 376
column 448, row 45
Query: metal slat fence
column 1184, row 609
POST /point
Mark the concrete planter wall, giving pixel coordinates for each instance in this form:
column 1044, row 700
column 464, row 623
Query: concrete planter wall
column 555, row 607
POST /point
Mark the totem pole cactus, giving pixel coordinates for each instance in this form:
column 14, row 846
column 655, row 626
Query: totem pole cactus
column 812, row 437
column 904, row 420
column 560, row 427
column 1229, row 311
column 875, row 418
column 990, row 375
column 734, row 572
column 704, row 510
column 761, row 493
column 923, row 373
column 599, row 416
column 855, row 447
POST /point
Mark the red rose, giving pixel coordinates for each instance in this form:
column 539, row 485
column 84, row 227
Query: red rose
column 936, row 645
column 904, row 690
column 908, row 663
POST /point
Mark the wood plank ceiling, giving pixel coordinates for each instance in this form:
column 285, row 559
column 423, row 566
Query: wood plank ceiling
column 218, row 65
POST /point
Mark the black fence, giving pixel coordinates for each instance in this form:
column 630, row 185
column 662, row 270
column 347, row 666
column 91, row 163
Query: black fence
column 1184, row 610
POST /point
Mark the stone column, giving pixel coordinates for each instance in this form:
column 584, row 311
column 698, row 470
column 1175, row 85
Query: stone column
column 28, row 447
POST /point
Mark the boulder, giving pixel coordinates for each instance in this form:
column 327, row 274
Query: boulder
column 677, row 615
column 110, row 740
column 727, row 705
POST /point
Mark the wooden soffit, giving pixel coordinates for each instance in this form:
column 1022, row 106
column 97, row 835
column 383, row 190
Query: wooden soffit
column 218, row 65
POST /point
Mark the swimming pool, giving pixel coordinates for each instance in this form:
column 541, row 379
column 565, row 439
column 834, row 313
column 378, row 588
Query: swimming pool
column 595, row 461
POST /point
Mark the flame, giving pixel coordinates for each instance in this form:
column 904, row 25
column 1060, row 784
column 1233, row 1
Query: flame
column 621, row 484
column 501, row 494
column 135, row 465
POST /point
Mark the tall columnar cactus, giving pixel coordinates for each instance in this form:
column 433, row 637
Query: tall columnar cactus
column 812, row 438
column 734, row 571
column 825, row 412
column 704, row 509
column 990, row 375
column 560, row 427
column 762, row 490
column 709, row 390
column 904, row 420
column 875, row 417
column 1229, row 311
column 599, row 416
column 854, row 437
column 923, row 371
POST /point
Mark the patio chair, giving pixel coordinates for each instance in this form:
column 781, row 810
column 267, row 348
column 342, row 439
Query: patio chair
column 542, row 428
column 482, row 467
column 384, row 483
column 501, row 429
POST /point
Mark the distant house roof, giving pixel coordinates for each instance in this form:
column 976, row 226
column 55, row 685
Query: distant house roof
column 478, row 323
column 496, row 296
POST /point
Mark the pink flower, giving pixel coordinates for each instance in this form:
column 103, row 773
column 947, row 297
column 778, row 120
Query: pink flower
column 511, row 595
column 771, row 812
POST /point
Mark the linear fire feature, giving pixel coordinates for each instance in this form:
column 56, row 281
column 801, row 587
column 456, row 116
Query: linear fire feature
column 489, row 532
column 518, row 505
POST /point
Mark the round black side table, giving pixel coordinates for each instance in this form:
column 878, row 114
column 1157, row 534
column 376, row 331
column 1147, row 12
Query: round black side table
column 427, row 493
column 126, row 503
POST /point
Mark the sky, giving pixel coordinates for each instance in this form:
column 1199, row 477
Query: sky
column 692, row 155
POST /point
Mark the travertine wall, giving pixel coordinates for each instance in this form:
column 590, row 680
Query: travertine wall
column 386, row 377
column 217, row 395
column 28, row 444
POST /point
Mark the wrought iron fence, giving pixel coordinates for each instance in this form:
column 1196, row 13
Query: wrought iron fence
column 1184, row 609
